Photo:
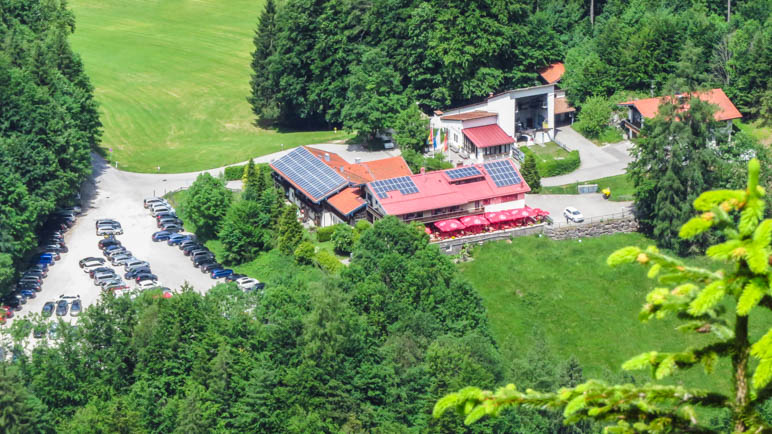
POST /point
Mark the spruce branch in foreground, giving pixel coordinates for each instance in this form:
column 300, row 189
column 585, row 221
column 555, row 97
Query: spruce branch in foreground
column 698, row 298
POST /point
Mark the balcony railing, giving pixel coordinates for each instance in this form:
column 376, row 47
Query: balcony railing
column 445, row 216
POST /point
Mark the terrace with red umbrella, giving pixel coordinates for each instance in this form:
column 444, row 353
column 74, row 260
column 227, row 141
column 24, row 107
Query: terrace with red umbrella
column 499, row 219
column 449, row 227
column 475, row 223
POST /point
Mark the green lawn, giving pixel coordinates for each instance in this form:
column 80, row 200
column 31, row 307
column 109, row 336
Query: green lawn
column 587, row 309
column 172, row 79
column 548, row 151
column 621, row 187
column 761, row 133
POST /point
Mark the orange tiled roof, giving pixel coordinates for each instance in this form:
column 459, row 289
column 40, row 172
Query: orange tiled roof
column 362, row 173
column 562, row 106
column 552, row 73
column 726, row 110
column 347, row 200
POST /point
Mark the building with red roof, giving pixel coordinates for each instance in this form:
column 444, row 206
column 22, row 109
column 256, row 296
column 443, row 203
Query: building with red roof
column 489, row 129
column 328, row 189
column 647, row 108
column 552, row 73
column 432, row 196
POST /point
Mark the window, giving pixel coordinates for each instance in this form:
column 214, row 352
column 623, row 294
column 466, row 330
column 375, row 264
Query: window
column 455, row 138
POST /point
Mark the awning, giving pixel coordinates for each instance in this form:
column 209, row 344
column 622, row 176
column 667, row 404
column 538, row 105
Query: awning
column 449, row 225
column 487, row 136
column 498, row 217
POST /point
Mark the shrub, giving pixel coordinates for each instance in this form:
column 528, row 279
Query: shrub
column 234, row 173
column 305, row 253
column 328, row 261
column 343, row 239
column 559, row 167
column 324, row 234
column 594, row 117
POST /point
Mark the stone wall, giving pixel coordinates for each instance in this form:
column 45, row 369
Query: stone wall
column 595, row 229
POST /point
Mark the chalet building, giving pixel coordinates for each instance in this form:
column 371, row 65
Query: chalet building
column 488, row 129
column 551, row 74
column 428, row 197
column 328, row 189
column 641, row 109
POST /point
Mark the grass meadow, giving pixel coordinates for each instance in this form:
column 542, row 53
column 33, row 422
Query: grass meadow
column 564, row 292
column 172, row 78
column 621, row 187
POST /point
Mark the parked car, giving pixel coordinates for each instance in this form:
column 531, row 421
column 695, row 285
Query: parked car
column 147, row 284
column 573, row 214
column 134, row 264
column 12, row 302
column 30, row 278
column 115, row 286
column 111, row 282
column 28, row 293
column 82, row 263
column 105, row 221
column 134, row 272
column 102, row 231
column 172, row 227
column 168, row 220
column 194, row 252
column 160, row 209
column 61, row 308
column 165, row 214
column 200, row 258
column 246, row 282
column 138, row 267
column 48, row 308
column 96, row 270
column 219, row 273
column 104, row 277
column 255, row 287
column 159, row 204
column 148, row 200
column 145, row 276
column 121, row 259
column 175, row 239
column 118, row 252
column 161, row 236
column 192, row 248
column 39, row 266
column 107, row 242
column 8, row 310
column 233, row 277
column 34, row 286
column 35, row 273
column 208, row 267
column 75, row 307
column 52, row 256
column 186, row 246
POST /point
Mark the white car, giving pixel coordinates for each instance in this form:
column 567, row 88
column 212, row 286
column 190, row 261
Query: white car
column 246, row 282
column 88, row 265
column 109, row 231
column 573, row 214
column 147, row 284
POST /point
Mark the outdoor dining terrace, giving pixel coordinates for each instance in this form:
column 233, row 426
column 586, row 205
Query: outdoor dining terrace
column 489, row 222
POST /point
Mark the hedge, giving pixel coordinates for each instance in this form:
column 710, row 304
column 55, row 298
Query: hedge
column 559, row 167
column 328, row 261
column 324, row 234
column 234, row 173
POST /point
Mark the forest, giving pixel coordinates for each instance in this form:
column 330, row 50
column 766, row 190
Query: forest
column 361, row 65
column 48, row 123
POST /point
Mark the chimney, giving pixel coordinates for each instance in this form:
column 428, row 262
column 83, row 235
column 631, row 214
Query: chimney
column 326, row 157
column 357, row 160
column 423, row 170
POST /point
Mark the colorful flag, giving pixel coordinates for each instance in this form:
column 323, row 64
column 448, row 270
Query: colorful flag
column 431, row 136
column 446, row 143
column 435, row 141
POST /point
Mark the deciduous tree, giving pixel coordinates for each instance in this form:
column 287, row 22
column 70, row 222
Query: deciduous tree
column 206, row 204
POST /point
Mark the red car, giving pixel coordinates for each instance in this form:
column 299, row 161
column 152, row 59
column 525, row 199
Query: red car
column 6, row 311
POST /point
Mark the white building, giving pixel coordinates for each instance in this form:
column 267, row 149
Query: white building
column 488, row 130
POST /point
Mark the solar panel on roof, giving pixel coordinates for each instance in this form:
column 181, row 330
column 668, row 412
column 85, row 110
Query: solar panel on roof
column 309, row 173
column 404, row 184
column 502, row 173
column 463, row 172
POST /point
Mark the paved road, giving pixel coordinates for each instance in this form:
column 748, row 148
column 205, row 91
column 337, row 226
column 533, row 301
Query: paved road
column 591, row 205
column 111, row 193
column 596, row 162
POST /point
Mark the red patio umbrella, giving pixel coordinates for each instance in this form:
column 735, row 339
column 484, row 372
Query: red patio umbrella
column 474, row 220
column 449, row 225
column 498, row 217
column 167, row 295
column 541, row 212
column 427, row 230
column 521, row 213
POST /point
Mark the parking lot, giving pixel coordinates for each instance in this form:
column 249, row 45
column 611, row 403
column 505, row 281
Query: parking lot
column 110, row 196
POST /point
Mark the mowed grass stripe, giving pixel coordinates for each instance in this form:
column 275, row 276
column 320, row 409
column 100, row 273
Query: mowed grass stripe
column 172, row 79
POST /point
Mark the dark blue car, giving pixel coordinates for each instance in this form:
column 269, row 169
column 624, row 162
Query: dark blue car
column 177, row 239
column 161, row 236
column 216, row 274
column 46, row 258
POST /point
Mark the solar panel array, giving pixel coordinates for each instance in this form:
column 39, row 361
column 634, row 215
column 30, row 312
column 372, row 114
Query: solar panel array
column 309, row 172
column 463, row 172
column 404, row 184
column 502, row 173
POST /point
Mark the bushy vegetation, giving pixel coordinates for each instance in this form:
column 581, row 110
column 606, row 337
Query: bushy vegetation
column 48, row 123
column 552, row 160
column 206, row 203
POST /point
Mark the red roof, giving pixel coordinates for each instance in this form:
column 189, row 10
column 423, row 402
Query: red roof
column 361, row 173
column 347, row 200
column 726, row 110
column 487, row 136
column 477, row 114
column 435, row 190
column 562, row 106
column 552, row 73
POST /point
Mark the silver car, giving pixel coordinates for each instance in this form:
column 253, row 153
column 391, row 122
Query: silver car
column 102, row 231
column 121, row 259
column 102, row 277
